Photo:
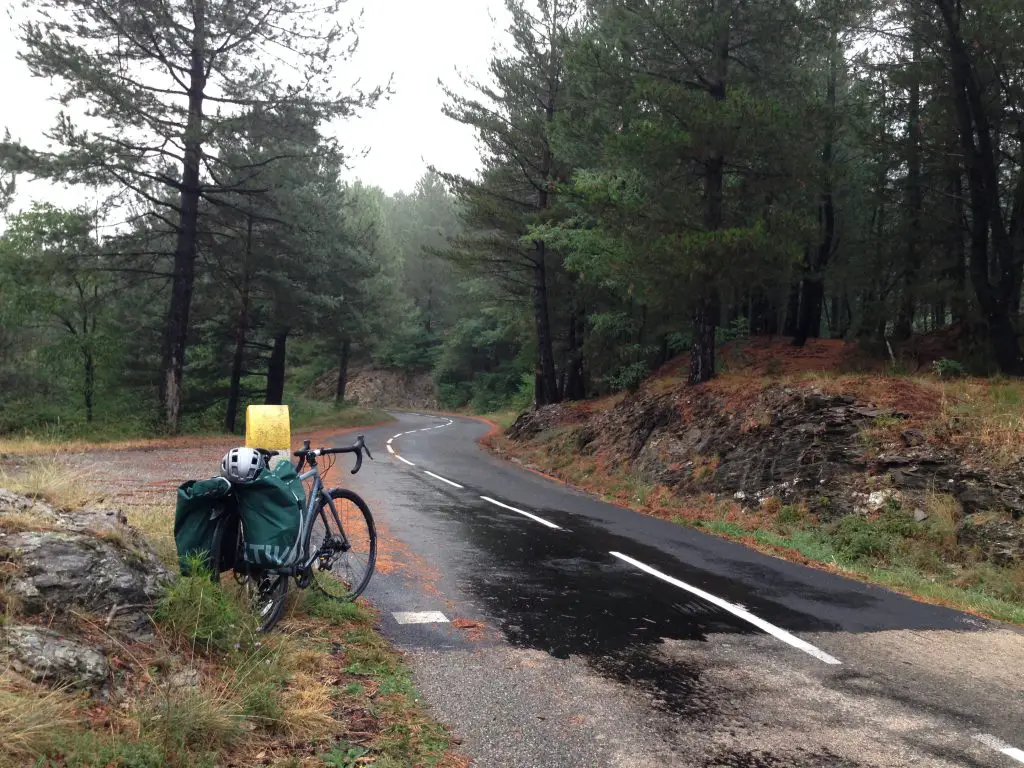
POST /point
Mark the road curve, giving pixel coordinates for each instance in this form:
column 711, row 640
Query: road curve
column 601, row 637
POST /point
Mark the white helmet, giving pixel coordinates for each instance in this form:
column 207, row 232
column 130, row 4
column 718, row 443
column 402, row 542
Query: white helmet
column 242, row 465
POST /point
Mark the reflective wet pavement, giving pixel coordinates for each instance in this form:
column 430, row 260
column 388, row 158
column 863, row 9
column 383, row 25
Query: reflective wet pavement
column 562, row 594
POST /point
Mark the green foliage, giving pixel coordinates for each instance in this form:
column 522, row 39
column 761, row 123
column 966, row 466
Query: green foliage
column 858, row 539
column 948, row 369
column 345, row 756
column 202, row 614
column 342, row 613
column 481, row 362
column 86, row 750
column 736, row 330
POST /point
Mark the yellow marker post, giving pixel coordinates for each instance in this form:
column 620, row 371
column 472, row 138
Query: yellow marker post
column 268, row 427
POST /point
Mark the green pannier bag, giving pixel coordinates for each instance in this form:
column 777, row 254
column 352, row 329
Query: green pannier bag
column 206, row 522
column 272, row 508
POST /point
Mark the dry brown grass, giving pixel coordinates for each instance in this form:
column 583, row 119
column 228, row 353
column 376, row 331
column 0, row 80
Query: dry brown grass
column 29, row 718
column 985, row 418
column 16, row 522
column 308, row 703
column 35, row 446
column 156, row 523
column 944, row 516
column 52, row 481
column 208, row 717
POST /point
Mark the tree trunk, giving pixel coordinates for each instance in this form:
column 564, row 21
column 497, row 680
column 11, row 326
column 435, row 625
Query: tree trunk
column 987, row 213
column 182, row 283
column 812, row 289
column 812, row 299
column 275, row 370
column 547, row 381
column 789, row 328
column 956, row 253
column 702, row 353
column 548, row 392
column 88, row 382
column 763, row 316
column 339, row 395
column 705, row 323
column 241, row 330
column 835, row 325
column 908, row 303
column 574, row 387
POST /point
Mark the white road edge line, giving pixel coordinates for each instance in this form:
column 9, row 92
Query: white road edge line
column 1000, row 746
column 391, row 450
column 420, row 617
column 442, row 479
column 405, row 460
column 540, row 520
column 735, row 610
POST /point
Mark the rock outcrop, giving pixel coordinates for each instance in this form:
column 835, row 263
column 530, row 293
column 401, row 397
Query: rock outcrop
column 42, row 654
column 797, row 445
column 378, row 388
column 62, row 568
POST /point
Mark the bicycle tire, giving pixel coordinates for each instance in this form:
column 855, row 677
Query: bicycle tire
column 269, row 609
column 322, row 518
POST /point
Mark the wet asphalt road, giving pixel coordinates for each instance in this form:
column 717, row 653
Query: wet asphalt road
column 600, row 637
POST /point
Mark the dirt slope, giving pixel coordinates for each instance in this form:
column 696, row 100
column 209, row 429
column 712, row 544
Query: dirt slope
column 378, row 388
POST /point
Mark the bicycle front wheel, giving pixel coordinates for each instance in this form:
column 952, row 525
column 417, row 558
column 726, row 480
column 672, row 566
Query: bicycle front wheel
column 345, row 545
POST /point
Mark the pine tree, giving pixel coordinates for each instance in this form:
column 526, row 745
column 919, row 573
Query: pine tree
column 164, row 84
column 513, row 116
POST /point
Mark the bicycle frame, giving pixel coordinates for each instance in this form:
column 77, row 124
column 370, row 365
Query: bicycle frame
column 317, row 494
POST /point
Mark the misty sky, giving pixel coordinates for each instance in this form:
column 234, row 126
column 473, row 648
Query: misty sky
column 418, row 41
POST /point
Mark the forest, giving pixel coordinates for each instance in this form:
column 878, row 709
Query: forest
column 657, row 178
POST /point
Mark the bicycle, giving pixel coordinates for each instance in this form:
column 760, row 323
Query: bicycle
column 338, row 544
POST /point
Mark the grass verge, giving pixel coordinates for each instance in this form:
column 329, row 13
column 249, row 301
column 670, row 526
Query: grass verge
column 325, row 688
column 50, row 481
column 305, row 414
column 503, row 419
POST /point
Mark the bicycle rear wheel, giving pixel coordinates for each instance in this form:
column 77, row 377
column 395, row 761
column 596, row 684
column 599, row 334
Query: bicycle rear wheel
column 267, row 593
column 345, row 561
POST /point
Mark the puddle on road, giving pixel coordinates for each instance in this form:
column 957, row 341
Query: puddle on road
column 563, row 593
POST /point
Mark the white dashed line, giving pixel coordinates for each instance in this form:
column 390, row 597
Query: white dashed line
column 540, row 520
column 735, row 610
column 405, row 460
column 1000, row 746
column 391, row 440
column 442, row 479
column 420, row 617
column 391, row 450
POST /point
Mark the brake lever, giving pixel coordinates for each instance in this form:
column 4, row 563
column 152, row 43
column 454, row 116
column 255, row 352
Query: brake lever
column 365, row 447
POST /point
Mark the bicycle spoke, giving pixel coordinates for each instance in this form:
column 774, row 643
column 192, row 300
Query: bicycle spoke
column 343, row 573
